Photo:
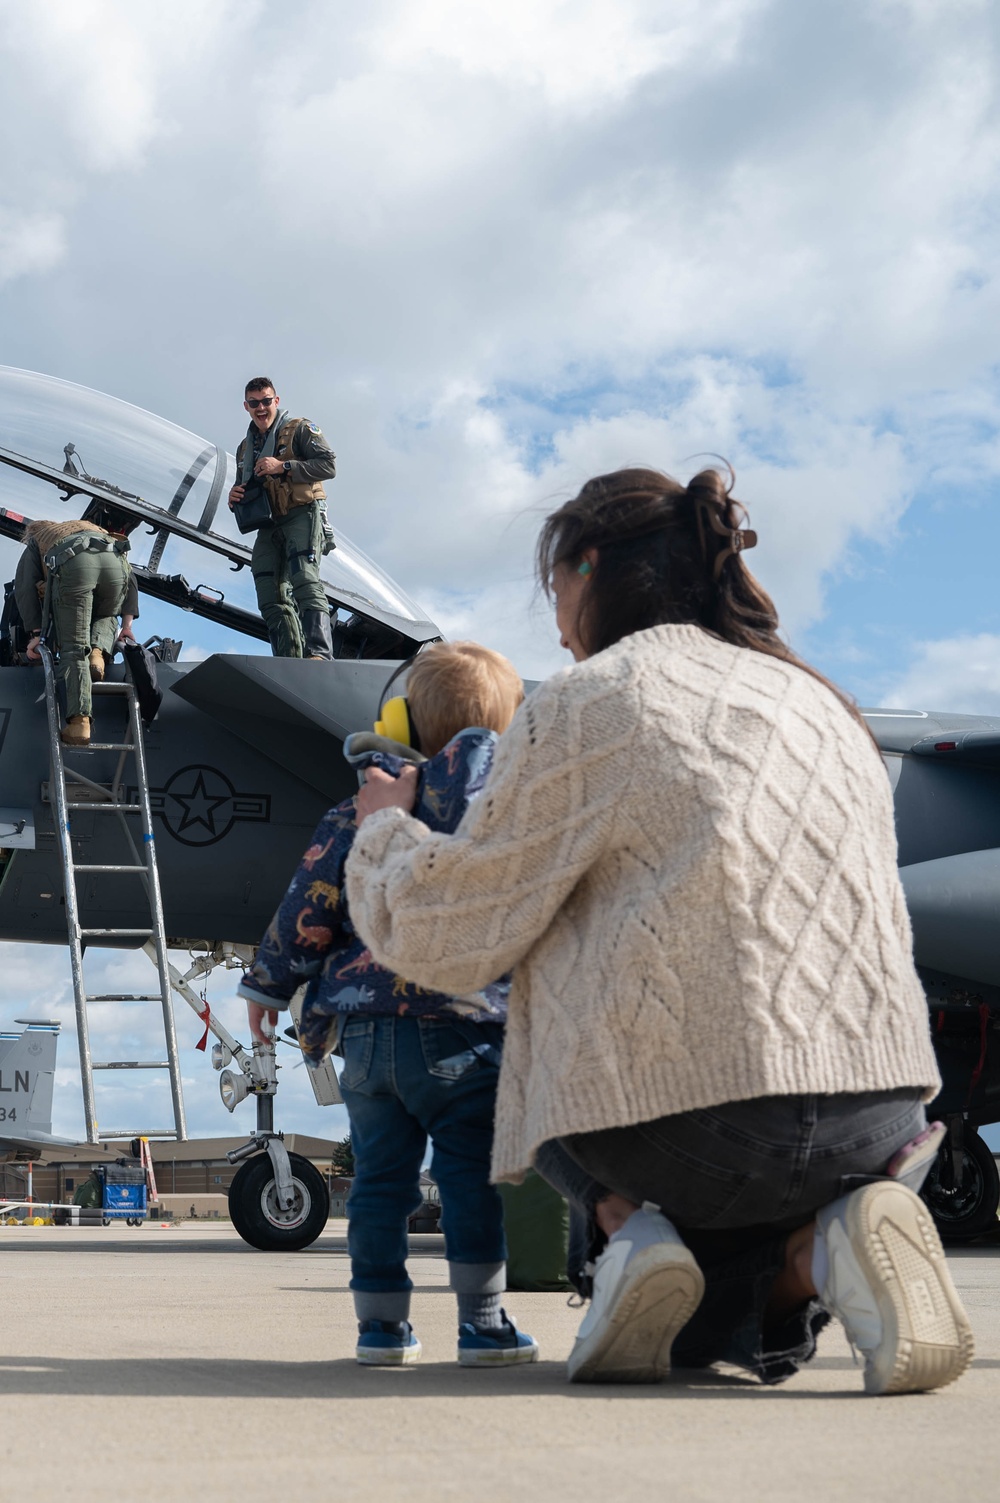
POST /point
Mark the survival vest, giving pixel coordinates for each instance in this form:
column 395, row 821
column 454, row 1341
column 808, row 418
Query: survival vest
column 284, row 493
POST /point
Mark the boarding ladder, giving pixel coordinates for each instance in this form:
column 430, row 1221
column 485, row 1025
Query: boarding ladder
column 115, row 801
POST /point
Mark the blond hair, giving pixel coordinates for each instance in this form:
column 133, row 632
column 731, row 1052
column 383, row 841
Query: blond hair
column 453, row 685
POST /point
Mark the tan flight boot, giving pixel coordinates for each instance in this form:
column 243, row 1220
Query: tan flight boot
column 76, row 731
column 96, row 665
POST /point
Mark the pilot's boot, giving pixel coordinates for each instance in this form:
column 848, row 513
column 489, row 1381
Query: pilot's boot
column 318, row 636
column 76, row 731
column 96, row 665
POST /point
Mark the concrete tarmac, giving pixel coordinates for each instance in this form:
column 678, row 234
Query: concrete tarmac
column 182, row 1365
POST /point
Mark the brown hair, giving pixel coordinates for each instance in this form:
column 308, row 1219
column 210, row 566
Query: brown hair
column 259, row 383
column 453, row 685
column 666, row 553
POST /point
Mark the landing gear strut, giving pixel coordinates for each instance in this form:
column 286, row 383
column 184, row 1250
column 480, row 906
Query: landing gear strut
column 278, row 1201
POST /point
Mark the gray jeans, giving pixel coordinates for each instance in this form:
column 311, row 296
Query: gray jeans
column 735, row 1179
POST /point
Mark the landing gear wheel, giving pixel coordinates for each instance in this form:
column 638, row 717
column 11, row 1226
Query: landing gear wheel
column 967, row 1209
column 253, row 1205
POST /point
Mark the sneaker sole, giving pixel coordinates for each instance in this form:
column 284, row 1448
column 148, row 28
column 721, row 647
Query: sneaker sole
column 660, row 1292
column 505, row 1357
column 387, row 1356
column 897, row 1245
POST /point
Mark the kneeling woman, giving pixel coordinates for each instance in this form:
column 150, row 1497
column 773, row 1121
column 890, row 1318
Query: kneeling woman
column 717, row 1041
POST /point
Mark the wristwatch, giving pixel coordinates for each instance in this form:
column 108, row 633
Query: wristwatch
column 286, row 467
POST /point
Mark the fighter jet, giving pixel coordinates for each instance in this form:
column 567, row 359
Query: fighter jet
column 244, row 754
column 27, row 1074
column 945, row 775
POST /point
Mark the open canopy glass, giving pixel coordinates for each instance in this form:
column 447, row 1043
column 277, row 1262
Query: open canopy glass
column 67, row 430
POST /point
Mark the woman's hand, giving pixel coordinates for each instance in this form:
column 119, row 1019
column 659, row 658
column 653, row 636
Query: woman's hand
column 31, row 651
column 256, row 1015
column 380, row 791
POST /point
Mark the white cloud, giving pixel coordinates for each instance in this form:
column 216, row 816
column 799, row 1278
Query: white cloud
column 107, row 76
column 469, row 560
column 959, row 674
column 488, row 253
column 575, row 54
column 30, row 243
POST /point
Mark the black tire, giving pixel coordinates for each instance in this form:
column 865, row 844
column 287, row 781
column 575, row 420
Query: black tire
column 254, row 1213
column 969, row 1208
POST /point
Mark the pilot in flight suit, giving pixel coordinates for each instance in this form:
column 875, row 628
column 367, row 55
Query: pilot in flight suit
column 77, row 574
column 292, row 458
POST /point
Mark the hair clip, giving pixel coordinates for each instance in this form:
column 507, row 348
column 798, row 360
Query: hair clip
column 739, row 538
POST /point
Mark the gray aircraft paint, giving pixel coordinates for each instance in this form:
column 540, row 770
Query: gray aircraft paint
column 27, row 1078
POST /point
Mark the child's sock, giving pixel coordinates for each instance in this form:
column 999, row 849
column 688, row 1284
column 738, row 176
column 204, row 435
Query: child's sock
column 480, row 1310
column 389, row 1305
column 478, row 1288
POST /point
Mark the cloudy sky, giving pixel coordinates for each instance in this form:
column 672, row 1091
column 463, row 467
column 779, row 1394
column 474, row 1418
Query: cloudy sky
column 494, row 250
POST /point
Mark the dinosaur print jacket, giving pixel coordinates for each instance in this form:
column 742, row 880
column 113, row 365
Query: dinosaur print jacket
column 311, row 938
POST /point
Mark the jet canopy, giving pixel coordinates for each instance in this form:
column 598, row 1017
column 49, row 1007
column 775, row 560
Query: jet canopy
column 67, row 450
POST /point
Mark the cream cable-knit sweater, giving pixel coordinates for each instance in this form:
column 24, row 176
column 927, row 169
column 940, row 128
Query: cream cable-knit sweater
column 686, row 852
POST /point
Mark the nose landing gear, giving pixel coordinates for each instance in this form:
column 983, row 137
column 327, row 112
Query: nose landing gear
column 258, row 1215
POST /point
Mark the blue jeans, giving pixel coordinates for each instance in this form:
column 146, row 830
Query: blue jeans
column 735, row 1179
column 406, row 1080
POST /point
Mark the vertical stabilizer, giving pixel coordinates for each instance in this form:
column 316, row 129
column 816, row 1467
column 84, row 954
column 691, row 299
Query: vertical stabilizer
column 27, row 1077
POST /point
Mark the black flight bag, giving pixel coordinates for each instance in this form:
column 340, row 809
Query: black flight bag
column 255, row 508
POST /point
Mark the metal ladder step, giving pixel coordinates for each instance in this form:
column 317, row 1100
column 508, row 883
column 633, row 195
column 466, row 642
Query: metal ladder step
column 118, row 933
column 124, row 997
column 111, row 686
column 130, row 1064
column 103, row 808
column 100, row 746
column 92, row 867
column 137, row 1132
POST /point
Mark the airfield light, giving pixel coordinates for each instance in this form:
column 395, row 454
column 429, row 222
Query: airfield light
column 221, row 1055
column 233, row 1089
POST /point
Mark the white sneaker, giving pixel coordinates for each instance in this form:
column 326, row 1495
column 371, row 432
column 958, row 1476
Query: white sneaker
column 647, row 1286
column 886, row 1280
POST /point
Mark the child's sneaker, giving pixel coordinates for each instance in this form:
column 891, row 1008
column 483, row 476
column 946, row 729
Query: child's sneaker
column 386, row 1343
column 647, row 1286
column 879, row 1267
column 495, row 1346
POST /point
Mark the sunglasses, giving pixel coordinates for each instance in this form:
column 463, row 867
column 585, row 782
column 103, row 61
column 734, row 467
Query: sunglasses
column 260, row 401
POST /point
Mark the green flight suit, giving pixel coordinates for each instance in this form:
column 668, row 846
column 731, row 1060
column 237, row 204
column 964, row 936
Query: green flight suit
column 86, row 594
column 285, row 564
column 287, row 551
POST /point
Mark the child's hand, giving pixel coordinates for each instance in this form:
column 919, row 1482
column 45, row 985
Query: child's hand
column 380, row 791
column 256, row 1013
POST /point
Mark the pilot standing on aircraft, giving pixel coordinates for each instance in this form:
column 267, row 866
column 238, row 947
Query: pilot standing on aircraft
column 292, row 458
column 72, row 581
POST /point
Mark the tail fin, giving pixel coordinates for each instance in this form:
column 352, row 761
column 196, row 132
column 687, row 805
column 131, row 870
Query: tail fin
column 27, row 1077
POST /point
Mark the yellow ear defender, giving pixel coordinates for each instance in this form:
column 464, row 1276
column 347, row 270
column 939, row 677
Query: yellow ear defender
column 395, row 722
